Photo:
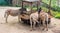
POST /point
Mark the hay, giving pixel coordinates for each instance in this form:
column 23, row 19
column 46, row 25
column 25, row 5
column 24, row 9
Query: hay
column 24, row 16
column 27, row 15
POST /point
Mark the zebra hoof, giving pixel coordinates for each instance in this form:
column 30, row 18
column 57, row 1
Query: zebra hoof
column 43, row 29
column 31, row 30
column 46, row 29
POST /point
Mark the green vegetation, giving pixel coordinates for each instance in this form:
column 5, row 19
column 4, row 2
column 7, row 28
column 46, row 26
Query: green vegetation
column 56, row 11
column 55, row 14
column 53, row 2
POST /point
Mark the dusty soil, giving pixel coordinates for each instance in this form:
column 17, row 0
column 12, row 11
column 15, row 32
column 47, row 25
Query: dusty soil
column 14, row 27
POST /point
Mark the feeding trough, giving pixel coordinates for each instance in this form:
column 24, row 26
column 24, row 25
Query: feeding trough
column 30, row 2
column 27, row 15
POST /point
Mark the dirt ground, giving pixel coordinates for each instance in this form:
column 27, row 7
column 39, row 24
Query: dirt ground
column 14, row 27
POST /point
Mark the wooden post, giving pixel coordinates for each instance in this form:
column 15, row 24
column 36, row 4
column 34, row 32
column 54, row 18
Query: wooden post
column 37, row 5
column 31, row 7
column 22, row 3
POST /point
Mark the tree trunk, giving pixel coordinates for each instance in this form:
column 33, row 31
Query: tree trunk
column 58, row 2
column 49, row 7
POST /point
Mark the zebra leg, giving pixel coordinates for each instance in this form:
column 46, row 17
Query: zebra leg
column 44, row 25
column 6, row 18
column 19, row 18
column 47, row 25
column 31, row 24
column 34, row 24
column 49, row 20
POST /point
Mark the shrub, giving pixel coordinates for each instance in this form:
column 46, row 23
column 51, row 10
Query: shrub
column 17, row 5
column 56, row 8
column 57, row 16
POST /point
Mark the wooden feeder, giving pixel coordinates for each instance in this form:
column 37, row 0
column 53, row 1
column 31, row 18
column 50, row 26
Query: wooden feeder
column 30, row 2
